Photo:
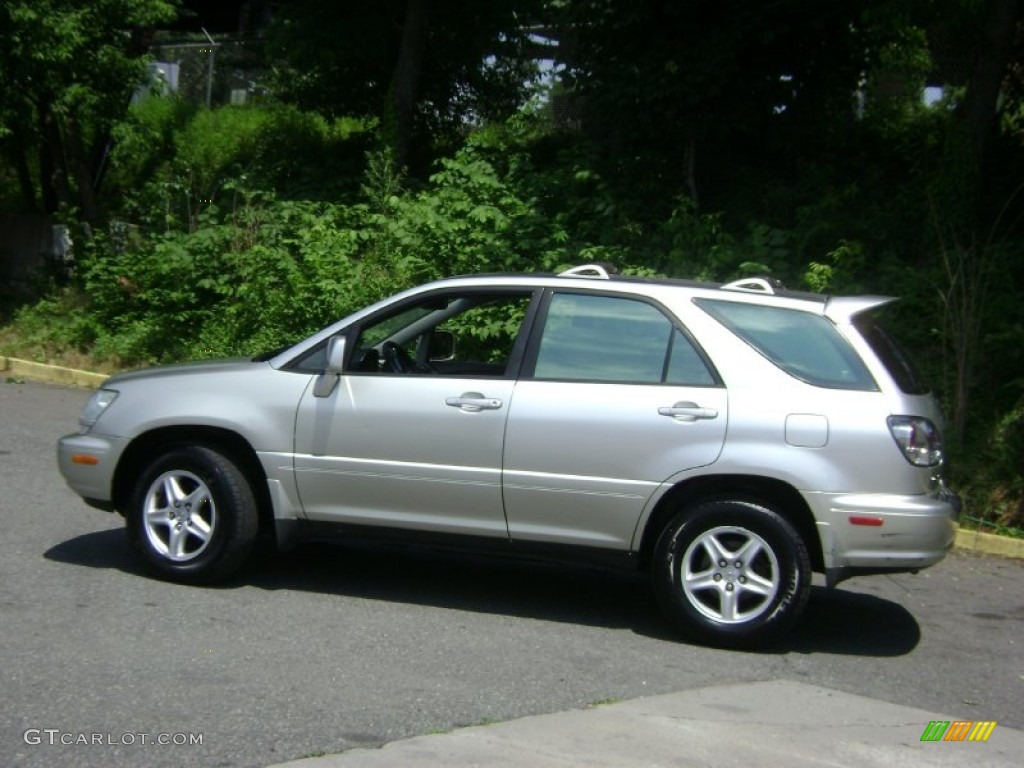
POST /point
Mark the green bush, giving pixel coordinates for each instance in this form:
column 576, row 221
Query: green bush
column 273, row 272
column 61, row 321
column 172, row 164
column 994, row 486
column 143, row 145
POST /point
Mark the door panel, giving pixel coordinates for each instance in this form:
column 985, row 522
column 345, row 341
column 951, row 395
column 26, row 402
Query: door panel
column 582, row 459
column 616, row 398
column 390, row 450
column 412, row 436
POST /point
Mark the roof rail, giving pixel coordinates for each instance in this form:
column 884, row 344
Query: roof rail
column 752, row 285
column 597, row 271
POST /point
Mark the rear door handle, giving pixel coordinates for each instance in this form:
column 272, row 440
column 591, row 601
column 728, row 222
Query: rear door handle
column 471, row 402
column 687, row 411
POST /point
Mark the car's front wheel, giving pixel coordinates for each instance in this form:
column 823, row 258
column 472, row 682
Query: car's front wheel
column 731, row 573
column 193, row 515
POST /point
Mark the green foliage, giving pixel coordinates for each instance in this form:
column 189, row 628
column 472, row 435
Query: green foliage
column 56, row 323
column 273, row 273
column 340, row 58
column 172, row 164
column 69, row 69
column 466, row 221
column 269, row 271
column 144, row 141
column 701, row 141
column 302, row 155
column 218, row 144
column 996, row 492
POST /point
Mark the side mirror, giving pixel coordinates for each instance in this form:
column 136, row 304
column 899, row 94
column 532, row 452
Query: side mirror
column 335, row 354
column 441, row 346
column 328, row 380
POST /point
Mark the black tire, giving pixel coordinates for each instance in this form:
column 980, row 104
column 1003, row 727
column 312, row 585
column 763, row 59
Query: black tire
column 193, row 516
column 728, row 601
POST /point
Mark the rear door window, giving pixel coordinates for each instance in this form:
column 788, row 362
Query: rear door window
column 590, row 337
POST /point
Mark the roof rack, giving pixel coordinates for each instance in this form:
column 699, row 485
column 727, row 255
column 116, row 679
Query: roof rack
column 595, row 271
column 753, row 285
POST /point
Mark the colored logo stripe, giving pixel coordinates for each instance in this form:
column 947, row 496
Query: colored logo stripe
column 958, row 730
column 982, row 730
column 935, row 730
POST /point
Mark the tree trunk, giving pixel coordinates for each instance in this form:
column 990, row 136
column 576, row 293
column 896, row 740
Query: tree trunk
column 405, row 84
column 690, row 167
column 962, row 228
column 54, row 175
column 88, row 209
column 990, row 68
column 16, row 155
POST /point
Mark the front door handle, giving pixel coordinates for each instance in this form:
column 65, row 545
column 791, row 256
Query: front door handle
column 687, row 411
column 472, row 402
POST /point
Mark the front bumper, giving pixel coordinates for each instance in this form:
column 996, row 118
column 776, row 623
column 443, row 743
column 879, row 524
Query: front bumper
column 88, row 462
column 883, row 533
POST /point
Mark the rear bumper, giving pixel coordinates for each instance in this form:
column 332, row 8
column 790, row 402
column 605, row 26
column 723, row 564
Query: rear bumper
column 883, row 533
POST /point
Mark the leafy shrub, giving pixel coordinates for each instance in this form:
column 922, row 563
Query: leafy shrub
column 218, row 145
column 143, row 145
column 60, row 321
column 171, row 163
column 995, row 489
column 273, row 273
column 303, row 155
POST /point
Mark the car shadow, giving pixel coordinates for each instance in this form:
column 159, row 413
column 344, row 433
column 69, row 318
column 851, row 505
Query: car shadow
column 852, row 623
column 102, row 549
column 837, row 622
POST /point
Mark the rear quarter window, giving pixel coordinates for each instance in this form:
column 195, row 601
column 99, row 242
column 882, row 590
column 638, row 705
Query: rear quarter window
column 803, row 344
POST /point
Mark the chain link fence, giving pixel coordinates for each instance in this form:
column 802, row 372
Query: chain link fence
column 215, row 72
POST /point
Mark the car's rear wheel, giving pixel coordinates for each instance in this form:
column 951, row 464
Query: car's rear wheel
column 731, row 573
column 193, row 515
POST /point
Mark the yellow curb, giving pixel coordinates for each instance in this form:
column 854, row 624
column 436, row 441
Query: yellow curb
column 990, row 544
column 53, row 374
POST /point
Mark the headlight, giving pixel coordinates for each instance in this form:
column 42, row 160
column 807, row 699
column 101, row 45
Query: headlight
column 97, row 404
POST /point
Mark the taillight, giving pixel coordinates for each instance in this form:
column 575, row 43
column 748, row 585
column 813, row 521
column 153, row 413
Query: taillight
column 918, row 438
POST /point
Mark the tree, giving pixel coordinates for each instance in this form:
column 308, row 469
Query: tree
column 685, row 93
column 424, row 69
column 69, row 68
column 1000, row 26
column 977, row 196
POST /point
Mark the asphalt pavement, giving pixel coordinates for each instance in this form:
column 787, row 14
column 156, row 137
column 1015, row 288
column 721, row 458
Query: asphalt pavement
column 341, row 651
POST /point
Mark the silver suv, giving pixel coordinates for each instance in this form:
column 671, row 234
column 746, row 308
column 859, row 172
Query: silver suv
column 730, row 439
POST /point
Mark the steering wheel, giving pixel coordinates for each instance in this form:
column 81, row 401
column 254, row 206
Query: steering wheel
column 397, row 359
